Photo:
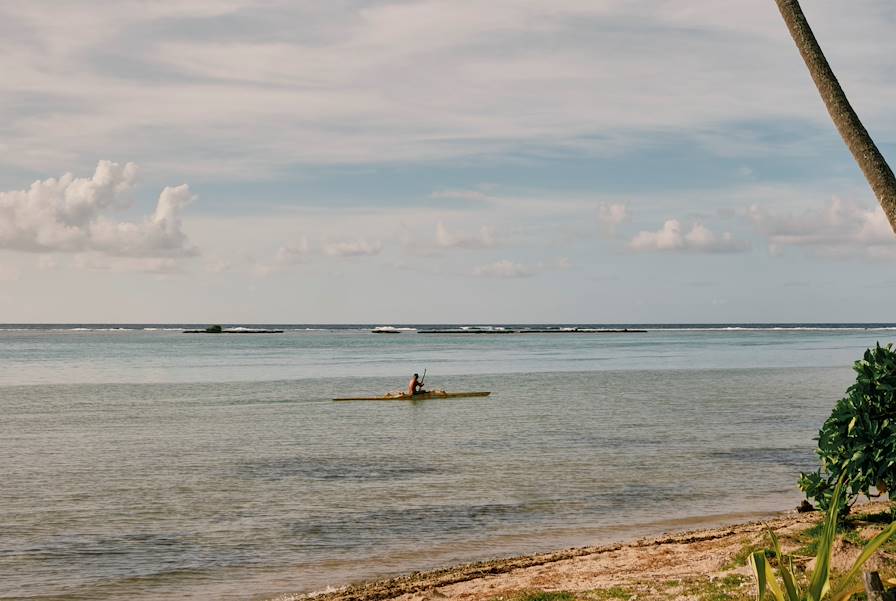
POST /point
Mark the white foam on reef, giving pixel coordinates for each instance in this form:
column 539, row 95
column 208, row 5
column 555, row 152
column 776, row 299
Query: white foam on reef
column 392, row 329
column 92, row 330
column 487, row 328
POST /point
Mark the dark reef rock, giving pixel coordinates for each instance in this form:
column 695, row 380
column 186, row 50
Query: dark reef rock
column 220, row 330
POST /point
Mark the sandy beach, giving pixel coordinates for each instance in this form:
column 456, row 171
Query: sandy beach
column 696, row 565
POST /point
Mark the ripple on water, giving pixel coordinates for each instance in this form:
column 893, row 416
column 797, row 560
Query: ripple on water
column 331, row 468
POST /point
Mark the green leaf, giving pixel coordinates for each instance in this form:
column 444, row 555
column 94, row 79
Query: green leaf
column 765, row 577
column 820, row 581
column 786, row 569
column 869, row 549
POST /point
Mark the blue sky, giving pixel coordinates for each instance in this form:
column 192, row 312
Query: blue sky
column 438, row 161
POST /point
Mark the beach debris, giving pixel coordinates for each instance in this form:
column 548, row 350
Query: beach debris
column 874, row 588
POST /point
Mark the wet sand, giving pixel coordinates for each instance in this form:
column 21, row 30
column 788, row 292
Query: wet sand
column 672, row 566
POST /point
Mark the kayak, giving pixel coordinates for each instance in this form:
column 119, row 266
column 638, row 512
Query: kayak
column 435, row 394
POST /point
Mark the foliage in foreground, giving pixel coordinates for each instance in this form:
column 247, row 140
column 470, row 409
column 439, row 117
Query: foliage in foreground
column 819, row 581
column 858, row 440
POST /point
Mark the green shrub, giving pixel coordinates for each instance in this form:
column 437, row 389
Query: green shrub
column 819, row 586
column 858, row 440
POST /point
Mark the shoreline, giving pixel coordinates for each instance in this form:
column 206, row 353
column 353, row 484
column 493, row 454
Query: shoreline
column 679, row 556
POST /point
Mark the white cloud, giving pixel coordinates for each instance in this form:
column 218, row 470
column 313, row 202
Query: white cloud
column 356, row 248
column 472, row 195
column 69, row 215
column 509, row 269
column 484, row 238
column 301, row 251
column 504, row 269
column 288, row 255
column 158, row 235
column 154, row 265
column 530, row 202
column 293, row 253
column 668, row 238
column 610, row 216
column 302, row 70
column 840, row 228
column 699, row 238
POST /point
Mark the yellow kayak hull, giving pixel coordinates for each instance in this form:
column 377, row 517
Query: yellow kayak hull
column 418, row 397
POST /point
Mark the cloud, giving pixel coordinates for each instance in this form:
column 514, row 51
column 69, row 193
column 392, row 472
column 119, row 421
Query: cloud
column 504, row 269
column 699, row 239
column 293, row 253
column 510, row 269
column 69, row 215
column 288, row 255
column 302, row 70
column 356, row 248
column 840, row 228
column 154, row 265
column 610, row 216
column 158, row 235
column 472, row 195
column 484, row 238
column 301, row 251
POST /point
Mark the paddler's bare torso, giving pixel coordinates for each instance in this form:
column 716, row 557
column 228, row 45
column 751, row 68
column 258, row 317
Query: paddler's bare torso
column 415, row 386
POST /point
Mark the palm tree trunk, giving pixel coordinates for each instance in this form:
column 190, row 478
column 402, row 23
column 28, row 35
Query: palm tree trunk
column 860, row 144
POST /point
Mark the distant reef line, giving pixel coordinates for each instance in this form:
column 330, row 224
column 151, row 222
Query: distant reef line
column 220, row 330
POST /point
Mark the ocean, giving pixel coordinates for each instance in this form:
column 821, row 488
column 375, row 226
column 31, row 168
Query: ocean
column 138, row 462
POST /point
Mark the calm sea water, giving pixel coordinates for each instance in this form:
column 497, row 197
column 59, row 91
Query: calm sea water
column 150, row 464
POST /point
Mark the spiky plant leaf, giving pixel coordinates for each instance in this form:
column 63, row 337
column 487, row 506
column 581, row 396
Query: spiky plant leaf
column 873, row 545
column 786, row 569
column 820, row 581
column 765, row 577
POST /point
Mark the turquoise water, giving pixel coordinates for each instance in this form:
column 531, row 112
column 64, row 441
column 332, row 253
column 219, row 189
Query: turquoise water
column 149, row 464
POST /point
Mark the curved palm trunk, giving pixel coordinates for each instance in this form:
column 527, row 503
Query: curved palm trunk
column 863, row 149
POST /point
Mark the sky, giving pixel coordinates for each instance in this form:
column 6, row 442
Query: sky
column 438, row 161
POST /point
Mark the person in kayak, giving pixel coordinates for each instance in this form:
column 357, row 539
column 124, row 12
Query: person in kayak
column 415, row 386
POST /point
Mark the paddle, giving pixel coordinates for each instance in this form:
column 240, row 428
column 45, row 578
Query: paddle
column 423, row 377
